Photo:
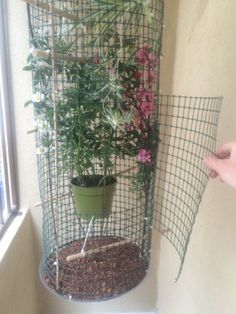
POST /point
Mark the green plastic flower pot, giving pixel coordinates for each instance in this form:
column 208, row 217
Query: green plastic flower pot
column 92, row 200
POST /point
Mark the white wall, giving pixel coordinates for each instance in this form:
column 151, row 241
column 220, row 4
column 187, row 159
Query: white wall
column 203, row 64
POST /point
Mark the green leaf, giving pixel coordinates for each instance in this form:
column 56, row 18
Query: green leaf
column 29, row 58
column 29, row 102
column 27, row 68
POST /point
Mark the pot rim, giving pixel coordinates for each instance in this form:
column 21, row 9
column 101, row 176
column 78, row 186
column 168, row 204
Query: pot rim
column 99, row 177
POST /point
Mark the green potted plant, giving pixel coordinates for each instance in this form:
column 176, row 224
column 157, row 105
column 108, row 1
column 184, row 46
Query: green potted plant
column 90, row 135
column 104, row 117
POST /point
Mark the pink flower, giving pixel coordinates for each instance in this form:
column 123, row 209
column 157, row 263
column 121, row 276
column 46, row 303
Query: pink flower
column 152, row 58
column 126, row 94
column 145, row 57
column 149, row 76
column 138, row 75
column 96, row 58
column 147, row 107
column 144, row 94
column 139, row 123
column 144, row 156
column 146, row 99
column 142, row 55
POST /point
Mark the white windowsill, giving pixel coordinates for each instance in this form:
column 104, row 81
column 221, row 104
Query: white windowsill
column 11, row 232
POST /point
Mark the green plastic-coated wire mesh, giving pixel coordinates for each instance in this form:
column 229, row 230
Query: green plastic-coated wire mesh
column 188, row 127
column 95, row 67
column 100, row 123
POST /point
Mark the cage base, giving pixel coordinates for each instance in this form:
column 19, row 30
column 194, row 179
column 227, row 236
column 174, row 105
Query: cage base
column 98, row 277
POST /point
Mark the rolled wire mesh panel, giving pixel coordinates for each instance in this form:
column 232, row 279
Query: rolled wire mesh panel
column 95, row 71
column 188, row 127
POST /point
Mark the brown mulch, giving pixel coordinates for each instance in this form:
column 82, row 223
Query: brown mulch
column 99, row 276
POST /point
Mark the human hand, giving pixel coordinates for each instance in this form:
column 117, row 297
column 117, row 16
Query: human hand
column 223, row 164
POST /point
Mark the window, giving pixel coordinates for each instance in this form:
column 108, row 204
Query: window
column 8, row 192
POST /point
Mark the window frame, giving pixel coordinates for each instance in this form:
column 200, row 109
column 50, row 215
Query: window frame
column 7, row 131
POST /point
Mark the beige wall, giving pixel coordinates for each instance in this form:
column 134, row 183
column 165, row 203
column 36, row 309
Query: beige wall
column 17, row 272
column 203, row 64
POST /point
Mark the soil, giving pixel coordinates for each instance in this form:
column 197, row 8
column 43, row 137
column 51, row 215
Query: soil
column 93, row 180
column 99, row 276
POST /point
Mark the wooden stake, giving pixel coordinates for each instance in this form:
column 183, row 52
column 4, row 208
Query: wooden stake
column 126, row 170
column 54, row 103
column 102, row 248
column 32, row 131
column 50, row 8
column 54, row 55
column 51, row 199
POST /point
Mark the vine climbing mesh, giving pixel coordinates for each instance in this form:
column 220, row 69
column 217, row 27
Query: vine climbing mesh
column 99, row 116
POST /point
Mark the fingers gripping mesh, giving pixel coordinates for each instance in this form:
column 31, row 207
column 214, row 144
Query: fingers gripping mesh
column 188, row 128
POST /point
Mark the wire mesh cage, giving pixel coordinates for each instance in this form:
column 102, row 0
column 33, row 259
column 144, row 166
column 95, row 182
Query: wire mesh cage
column 95, row 71
column 99, row 120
